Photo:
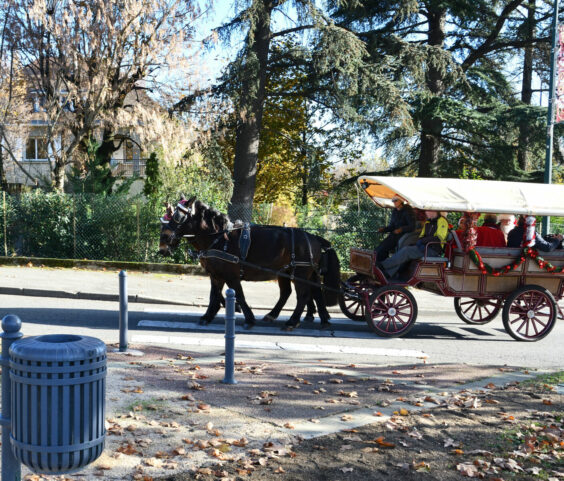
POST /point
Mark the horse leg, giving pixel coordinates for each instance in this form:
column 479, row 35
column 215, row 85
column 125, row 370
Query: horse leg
column 285, row 291
column 302, row 295
column 321, row 308
column 215, row 301
column 240, row 297
column 310, row 313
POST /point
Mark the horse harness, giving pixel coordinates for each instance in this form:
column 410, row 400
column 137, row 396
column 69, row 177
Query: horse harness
column 244, row 246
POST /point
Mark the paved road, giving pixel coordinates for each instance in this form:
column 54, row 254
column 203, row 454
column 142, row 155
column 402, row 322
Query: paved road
column 438, row 336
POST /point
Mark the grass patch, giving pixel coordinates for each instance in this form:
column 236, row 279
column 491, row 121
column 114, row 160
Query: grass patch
column 146, row 405
column 545, row 382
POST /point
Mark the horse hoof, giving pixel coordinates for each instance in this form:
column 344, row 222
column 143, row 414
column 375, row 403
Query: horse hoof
column 204, row 321
column 309, row 319
column 325, row 326
column 290, row 325
column 248, row 326
column 268, row 318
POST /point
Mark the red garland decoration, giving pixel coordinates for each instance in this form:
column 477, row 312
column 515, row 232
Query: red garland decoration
column 527, row 252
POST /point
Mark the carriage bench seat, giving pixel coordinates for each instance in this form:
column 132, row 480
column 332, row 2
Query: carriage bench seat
column 435, row 259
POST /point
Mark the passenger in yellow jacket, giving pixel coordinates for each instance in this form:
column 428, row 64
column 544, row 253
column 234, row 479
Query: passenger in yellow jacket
column 430, row 244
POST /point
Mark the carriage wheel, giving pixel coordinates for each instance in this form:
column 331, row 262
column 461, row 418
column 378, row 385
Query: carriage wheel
column 353, row 307
column 392, row 311
column 529, row 313
column 477, row 311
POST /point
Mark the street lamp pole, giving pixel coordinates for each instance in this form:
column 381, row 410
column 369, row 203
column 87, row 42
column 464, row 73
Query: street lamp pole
column 551, row 108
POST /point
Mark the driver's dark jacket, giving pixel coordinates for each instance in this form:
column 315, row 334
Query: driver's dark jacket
column 403, row 219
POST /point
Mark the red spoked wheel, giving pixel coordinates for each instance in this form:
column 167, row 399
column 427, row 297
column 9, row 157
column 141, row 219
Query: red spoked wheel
column 392, row 311
column 477, row 311
column 529, row 313
column 351, row 300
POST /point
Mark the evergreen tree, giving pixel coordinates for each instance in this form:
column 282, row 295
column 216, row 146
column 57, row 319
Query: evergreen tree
column 153, row 181
column 451, row 58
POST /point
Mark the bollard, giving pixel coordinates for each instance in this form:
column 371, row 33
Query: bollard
column 230, row 337
column 123, row 316
column 11, row 468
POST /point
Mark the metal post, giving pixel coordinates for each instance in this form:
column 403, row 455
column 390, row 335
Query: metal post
column 5, row 226
column 11, row 468
column 551, row 109
column 74, row 226
column 123, row 321
column 230, row 337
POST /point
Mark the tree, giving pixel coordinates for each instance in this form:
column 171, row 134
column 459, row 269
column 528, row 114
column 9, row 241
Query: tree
column 331, row 77
column 450, row 58
column 84, row 59
column 153, row 181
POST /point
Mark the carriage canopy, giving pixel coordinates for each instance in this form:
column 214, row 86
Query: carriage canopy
column 464, row 195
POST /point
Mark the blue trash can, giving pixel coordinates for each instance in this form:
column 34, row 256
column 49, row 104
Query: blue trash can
column 58, row 401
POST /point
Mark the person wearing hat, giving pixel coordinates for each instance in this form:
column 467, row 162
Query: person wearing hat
column 430, row 244
column 489, row 234
column 401, row 222
column 506, row 223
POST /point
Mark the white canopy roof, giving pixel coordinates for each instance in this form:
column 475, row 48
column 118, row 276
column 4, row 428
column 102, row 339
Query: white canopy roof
column 462, row 195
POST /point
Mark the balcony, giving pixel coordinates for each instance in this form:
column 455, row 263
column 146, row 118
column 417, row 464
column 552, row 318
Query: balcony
column 128, row 167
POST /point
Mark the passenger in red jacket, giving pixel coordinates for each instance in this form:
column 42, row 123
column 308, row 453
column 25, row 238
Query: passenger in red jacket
column 489, row 233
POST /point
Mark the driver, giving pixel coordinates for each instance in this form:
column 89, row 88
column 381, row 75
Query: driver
column 401, row 222
column 430, row 244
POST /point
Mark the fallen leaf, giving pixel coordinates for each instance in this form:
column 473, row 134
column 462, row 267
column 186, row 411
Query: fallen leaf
column 467, row 470
column 385, row 444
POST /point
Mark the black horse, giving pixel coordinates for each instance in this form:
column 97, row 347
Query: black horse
column 273, row 253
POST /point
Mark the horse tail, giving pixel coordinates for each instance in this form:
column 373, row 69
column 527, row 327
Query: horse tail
column 331, row 276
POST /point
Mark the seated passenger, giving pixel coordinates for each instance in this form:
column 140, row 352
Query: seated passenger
column 411, row 238
column 401, row 222
column 506, row 222
column 516, row 236
column 489, row 234
column 431, row 242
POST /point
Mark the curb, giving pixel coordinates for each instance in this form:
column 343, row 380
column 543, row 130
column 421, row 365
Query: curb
column 194, row 269
column 22, row 291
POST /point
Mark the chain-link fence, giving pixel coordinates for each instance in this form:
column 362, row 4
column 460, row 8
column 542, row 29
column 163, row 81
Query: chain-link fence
column 87, row 226
column 96, row 227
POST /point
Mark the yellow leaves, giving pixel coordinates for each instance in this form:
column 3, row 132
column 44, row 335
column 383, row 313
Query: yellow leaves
column 279, row 470
column 351, row 394
column 404, row 412
column 457, row 452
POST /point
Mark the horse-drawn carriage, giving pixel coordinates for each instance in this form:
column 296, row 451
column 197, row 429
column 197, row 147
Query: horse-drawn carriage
column 482, row 280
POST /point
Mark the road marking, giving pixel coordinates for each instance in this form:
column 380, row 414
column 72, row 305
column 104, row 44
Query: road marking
column 277, row 345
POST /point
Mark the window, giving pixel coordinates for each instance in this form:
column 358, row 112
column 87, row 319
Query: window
column 36, row 148
column 132, row 151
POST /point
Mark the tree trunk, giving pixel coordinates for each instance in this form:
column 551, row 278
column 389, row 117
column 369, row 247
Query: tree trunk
column 3, row 180
column 432, row 126
column 58, row 179
column 250, row 114
column 526, row 88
